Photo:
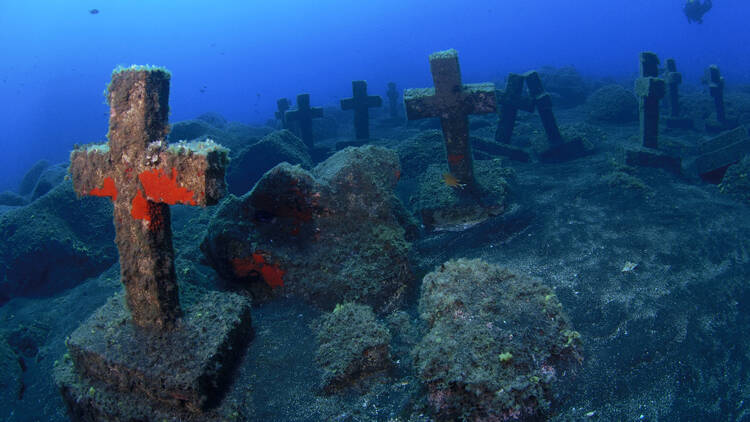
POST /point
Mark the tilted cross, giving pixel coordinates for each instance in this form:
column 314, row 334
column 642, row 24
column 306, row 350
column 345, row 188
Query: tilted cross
column 361, row 103
column 143, row 176
column 452, row 102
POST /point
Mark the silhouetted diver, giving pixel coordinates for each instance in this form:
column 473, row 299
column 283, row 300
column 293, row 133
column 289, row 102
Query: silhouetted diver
column 694, row 10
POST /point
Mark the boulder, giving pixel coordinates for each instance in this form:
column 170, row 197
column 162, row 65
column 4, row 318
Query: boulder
column 29, row 179
column 329, row 235
column 352, row 345
column 613, row 104
column 568, row 85
column 50, row 177
column 11, row 199
column 496, row 343
column 249, row 164
column 54, row 243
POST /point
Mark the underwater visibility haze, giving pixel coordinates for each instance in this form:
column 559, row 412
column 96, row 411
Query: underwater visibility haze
column 374, row 211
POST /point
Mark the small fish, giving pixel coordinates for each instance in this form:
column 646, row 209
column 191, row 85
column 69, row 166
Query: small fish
column 629, row 266
column 94, row 11
column 451, row 181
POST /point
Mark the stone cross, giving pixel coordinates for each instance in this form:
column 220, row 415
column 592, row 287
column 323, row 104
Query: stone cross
column 452, row 102
column 392, row 99
column 303, row 115
column 673, row 80
column 716, row 88
column 282, row 105
column 143, row 176
column 511, row 100
column 543, row 104
column 361, row 103
column 650, row 90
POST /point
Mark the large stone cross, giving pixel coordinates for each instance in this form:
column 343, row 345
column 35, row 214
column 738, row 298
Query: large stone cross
column 303, row 115
column 452, row 102
column 673, row 80
column 649, row 89
column 511, row 100
column 143, row 176
column 361, row 104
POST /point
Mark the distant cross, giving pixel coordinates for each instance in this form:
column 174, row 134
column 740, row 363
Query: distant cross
column 452, row 102
column 361, row 104
column 673, row 79
column 303, row 115
column 392, row 99
column 511, row 100
column 650, row 90
column 143, row 175
column 282, row 105
column 716, row 88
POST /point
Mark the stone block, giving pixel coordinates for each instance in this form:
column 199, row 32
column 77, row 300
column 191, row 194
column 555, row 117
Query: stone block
column 646, row 157
column 185, row 369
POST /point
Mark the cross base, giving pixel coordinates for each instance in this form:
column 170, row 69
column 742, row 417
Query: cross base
column 118, row 371
column 648, row 157
column 566, row 151
column 456, row 208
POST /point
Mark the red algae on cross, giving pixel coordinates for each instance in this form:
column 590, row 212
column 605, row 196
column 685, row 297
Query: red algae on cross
column 272, row 274
column 139, row 209
column 108, row 189
column 160, row 187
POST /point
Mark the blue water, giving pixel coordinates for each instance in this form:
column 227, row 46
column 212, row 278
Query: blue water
column 238, row 57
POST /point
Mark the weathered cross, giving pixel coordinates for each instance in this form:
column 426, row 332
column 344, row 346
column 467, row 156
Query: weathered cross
column 511, row 100
column 452, row 102
column 716, row 88
column 543, row 104
column 649, row 89
column 282, row 105
column 303, row 115
column 673, row 80
column 392, row 99
column 361, row 103
column 143, row 175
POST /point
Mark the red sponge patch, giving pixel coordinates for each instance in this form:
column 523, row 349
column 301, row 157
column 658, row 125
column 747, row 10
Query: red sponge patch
column 160, row 187
column 272, row 274
column 108, row 189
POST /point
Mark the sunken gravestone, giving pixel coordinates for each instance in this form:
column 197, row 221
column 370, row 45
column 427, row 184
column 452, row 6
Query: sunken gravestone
column 361, row 103
column 463, row 200
column 392, row 94
column 650, row 89
column 674, row 79
column 716, row 89
column 282, row 105
column 144, row 357
column 303, row 116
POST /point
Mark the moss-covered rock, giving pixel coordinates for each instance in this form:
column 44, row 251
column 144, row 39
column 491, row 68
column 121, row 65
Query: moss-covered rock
column 329, row 235
column 442, row 206
column 568, row 85
column 612, row 104
column 50, row 177
column 32, row 175
column 421, row 150
column 11, row 199
column 11, row 386
column 54, row 243
column 352, row 345
column 736, row 181
column 249, row 164
column 496, row 343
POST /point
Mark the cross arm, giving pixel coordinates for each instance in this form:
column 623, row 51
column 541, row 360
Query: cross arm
column 90, row 170
column 480, row 98
column 197, row 167
column 420, row 103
